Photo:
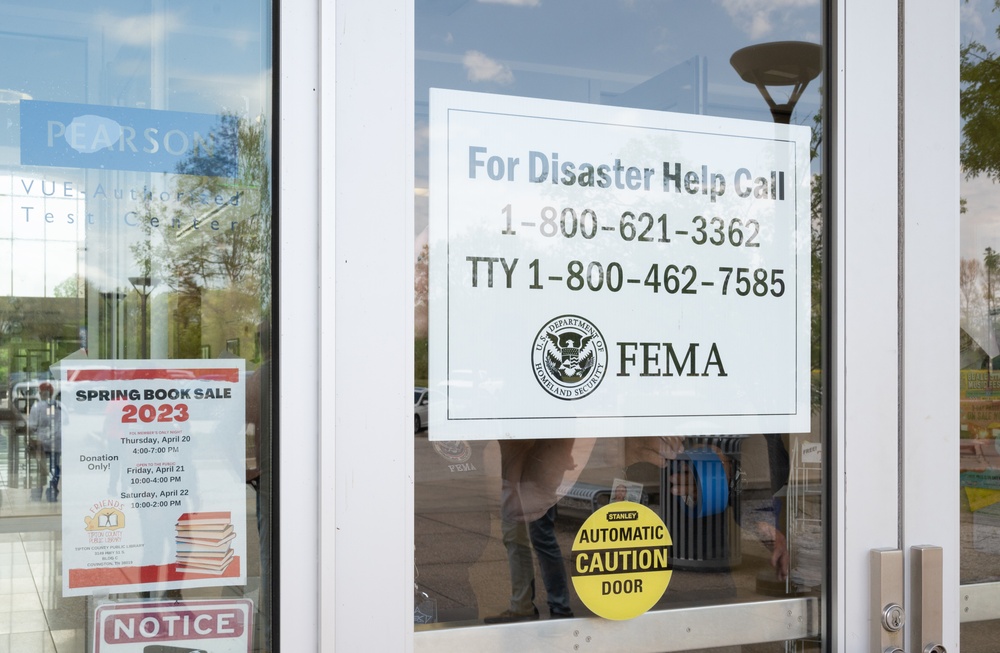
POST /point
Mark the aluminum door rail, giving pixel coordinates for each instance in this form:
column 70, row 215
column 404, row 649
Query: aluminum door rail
column 654, row 632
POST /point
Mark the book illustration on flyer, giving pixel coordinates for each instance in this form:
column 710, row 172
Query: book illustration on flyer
column 204, row 543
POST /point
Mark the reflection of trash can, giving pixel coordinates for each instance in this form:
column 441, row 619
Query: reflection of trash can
column 704, row 533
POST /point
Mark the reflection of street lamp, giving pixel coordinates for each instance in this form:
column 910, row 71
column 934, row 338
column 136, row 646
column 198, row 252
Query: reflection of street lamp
column 145, row 282
column 109, row 328
column 782, row 63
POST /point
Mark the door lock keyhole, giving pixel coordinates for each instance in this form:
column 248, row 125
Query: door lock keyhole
column 893, row 617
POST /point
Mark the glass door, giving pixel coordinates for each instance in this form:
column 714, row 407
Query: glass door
column 601, row 192
column 979, row 454
column 136, row 302
column 494, row 72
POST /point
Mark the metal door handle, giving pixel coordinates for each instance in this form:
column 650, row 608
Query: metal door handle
column 926, row 605
column 887, row 597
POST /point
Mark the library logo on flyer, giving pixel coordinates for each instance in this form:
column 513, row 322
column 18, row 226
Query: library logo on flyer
column 105, row 518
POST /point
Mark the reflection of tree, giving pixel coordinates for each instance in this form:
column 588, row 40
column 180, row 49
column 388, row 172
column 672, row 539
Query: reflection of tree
column 235, row 253
column 211, row 245
column 420, row 292
column 816, row 242
column 11, row 326
column 980, row 155
column 73, row 286
column 980, row 108
column 977, row 284
column 970, row 277
column 972, row 284
column 991, row 262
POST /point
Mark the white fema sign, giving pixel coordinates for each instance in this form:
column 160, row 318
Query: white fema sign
column 602, row 271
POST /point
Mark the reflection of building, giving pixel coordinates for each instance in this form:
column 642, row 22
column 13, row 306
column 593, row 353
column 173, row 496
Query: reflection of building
column 217, row 319
column 41, row 241
column 192, row 324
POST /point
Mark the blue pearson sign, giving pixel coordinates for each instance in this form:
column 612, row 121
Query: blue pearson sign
column 70, row 135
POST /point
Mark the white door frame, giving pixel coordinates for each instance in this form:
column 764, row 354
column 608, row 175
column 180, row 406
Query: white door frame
column 297, row 333
column 865, row 341
column 345, row 160
column 930, row 307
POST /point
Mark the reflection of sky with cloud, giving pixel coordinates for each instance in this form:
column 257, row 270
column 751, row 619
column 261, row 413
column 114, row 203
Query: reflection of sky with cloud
column 650, row 54
column 599, row 49
column 202, row 56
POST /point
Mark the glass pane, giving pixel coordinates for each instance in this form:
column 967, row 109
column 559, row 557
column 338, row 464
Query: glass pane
column 499, row 508
column 980, row 240
column 135, row 308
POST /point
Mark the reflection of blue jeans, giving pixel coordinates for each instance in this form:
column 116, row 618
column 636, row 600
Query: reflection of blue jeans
column 55, row 468
column 542, row 536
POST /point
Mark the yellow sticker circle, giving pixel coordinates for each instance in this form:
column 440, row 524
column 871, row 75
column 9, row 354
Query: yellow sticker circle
column 620, row 560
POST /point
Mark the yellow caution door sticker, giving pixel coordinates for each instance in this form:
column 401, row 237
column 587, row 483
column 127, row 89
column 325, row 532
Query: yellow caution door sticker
column 620, row 557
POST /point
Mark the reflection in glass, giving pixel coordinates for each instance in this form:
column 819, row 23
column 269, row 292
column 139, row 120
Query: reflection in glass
column 491, row 515
column 137, row 227
column 979, row 276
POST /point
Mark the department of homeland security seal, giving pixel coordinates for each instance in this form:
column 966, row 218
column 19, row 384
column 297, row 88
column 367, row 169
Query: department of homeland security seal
column 569, row 357
column 455, row 451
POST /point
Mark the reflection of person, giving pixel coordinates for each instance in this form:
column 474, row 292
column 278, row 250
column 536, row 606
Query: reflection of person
column 45, row 434
column 521, row 524
column 779, row 468
column 532, row 472
column 701, row 480
column 625, row 490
